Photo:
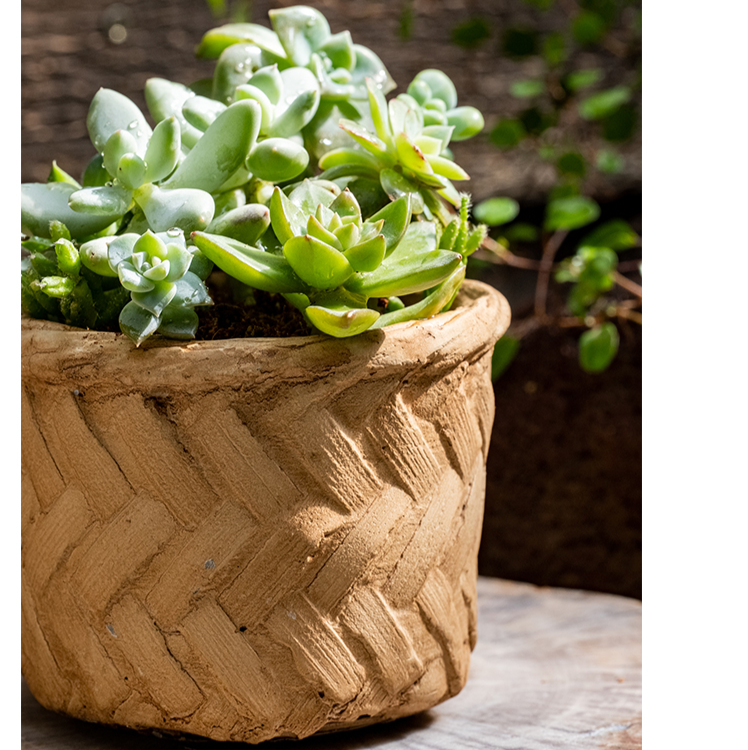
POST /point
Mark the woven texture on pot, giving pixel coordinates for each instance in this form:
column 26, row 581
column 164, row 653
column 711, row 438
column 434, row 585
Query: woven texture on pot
column 249, row 539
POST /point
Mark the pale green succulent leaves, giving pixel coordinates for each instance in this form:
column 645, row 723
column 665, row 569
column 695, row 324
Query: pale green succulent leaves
column 155, row 269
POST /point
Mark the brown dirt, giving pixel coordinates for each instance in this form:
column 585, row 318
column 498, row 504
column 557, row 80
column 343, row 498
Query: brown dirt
column 563, row 498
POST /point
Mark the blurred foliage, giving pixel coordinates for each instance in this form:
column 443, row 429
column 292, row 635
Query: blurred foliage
column 565, row 99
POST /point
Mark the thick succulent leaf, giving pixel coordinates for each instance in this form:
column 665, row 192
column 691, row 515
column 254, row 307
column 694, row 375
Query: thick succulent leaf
column 201, row 112
column 372, row 143
column 185, row 208
column 108, row 201
column 256, row 268
column 157, row 272
column 413, row 266
column 44, row 202
column 215, row 41
column 467, row 122
column 277, row 160
column 348, row 234
column 94, row 255
column 447, row 168
column 178, row 323
column 229, row 200
column 120, row 142
column 341, row 321
column 411, row 156
column 137, row 323
column 440, row 132
column 450, row 193
column 316, row 263
column 420, row 91
column 240, row 178
column 315, row 229
column 310, row 193
column 180, row 261
column 111, row 111
column 157, row 298
column 235, row 67
column 346, row 204
column 60, row 175
column 396, row 217
column 368, row 65
column 222, row 149
column 165, row 99
column 132, row 279
column 396, row 186
column 130, row 172
column 301, row 30
column 287, row 219
column 191, row 291
column 349, row 157
column 120, row 248
column 246, row 223
column 432, row 304
column 434, row 118
column 428, row 145
column 56, row 287
column 440, row 85
column 162, row 154
column 247, row 91
column 68, row 257
column 293, row 118
column 366, row 256
column 268, row 80
column 339, row 48
column 95, row 174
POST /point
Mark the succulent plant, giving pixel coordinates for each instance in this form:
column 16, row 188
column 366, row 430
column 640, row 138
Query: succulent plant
column 226, row 175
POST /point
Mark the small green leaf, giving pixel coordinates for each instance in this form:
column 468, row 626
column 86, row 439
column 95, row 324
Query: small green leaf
column 156, row 299
column 598, row 347
column 588, row 28
column 60, row 175
column 277, row 160
column 521, row 232
column 571, row 213
column 111, row 111
column 471, row 33
column 162, row 154
column 583, row 79
column 527, row 89
column 341, row 321
column 56, row 286
column 507, row 133
column 316, row 263
column 178, row 323
column 609, row 162
column 246, row 223
column 605, row 103
column 68, row 258
column 572, row 163
column 137, row 323
column 615, row 234
column 503, row 354
column 496, row 211
column 396, row 217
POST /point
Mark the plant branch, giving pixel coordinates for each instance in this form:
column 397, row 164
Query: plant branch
column 544, row 273
column 496, row 250
column 627, row 284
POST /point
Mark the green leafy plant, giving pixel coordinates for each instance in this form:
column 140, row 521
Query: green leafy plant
column 287, row 170
column 565, row 98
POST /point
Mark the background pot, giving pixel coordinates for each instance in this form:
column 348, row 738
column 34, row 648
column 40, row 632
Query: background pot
column 249, row 539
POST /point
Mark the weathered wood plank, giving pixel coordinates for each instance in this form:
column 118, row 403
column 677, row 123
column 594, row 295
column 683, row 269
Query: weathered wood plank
column 552, row 669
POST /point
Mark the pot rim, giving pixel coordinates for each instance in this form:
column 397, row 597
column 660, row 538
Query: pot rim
column 54, row 352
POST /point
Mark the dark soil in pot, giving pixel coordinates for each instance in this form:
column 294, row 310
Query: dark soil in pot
column 563, row 495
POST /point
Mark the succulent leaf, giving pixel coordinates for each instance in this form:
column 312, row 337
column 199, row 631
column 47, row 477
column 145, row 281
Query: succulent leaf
column 185, row 208
column 43, row 202
column 256, row 268
column 215, row 41
column 277, row 160
column 341, row 321
column 301, row 30
column 111, row 111
column 221, row 151
column 316, row 262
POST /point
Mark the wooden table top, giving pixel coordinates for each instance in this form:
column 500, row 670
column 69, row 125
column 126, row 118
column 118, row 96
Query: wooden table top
column 553, row 668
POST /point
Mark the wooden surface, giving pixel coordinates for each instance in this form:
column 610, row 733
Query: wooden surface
column 553, row 668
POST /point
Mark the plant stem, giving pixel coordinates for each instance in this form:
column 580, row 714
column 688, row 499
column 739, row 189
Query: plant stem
column 498, row 251
column 627, row 284
column 544, row 273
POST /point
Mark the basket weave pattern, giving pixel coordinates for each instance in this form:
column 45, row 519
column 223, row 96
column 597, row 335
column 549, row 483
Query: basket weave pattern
column 253, row 543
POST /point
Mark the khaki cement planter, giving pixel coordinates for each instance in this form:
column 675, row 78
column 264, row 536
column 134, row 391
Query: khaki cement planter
column 251, row 539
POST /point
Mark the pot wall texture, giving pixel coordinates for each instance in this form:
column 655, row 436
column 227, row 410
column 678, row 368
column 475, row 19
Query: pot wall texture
column 250, row 539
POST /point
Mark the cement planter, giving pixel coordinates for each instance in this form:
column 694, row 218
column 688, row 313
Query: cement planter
column 251, row 539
